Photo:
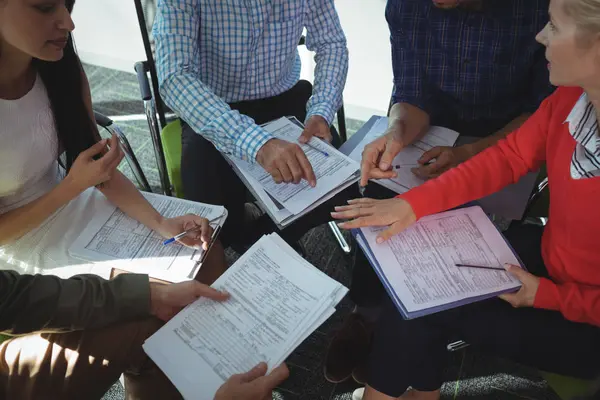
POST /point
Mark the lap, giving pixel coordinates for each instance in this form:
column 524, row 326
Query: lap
column 79, row 364
column 540, row 338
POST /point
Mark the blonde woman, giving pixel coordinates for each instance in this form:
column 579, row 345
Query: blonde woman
column 553, row 321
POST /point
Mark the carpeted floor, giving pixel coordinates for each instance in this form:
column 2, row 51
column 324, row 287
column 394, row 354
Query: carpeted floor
column 469, row 375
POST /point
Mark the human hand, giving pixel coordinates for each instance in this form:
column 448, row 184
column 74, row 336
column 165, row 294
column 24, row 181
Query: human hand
column 377, row 157
column 88, row 172
column 253, row 385
column 199, row 238
column 446, row 3
column 395, row 213
column 286, row 162
column 316, row 126
column 445, row 158
column 166, row 300
column 525, row 297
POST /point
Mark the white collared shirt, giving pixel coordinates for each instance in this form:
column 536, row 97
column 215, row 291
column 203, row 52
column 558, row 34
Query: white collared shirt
column 583, row 125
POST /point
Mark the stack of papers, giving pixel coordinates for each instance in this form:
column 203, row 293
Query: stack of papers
column 111, row 236
column 286, row 202
column 408, row 158
column 277, row 300
column 418, row 267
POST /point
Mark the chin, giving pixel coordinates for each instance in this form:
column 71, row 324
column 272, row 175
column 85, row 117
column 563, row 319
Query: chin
column 51, row 56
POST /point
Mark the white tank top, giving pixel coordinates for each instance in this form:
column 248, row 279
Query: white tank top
column 29, row 165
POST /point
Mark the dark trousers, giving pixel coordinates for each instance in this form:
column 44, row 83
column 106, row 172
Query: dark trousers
column 413, row 352
column 208, row 178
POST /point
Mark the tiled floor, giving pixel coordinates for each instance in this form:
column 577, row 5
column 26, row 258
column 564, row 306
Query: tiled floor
column 117, row 94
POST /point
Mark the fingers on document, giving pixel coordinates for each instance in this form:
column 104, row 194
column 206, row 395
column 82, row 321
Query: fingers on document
column 202, row 290
column 307, row 169
column 254, row 373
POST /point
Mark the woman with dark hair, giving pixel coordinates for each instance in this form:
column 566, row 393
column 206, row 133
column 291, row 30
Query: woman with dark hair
column 45, row 111
column 74, row 337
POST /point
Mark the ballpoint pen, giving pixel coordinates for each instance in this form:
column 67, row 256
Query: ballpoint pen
column 184, row 233
column 480, row 267
column 326, row 154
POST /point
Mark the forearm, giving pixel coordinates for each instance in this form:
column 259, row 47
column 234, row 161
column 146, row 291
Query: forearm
column 20, row 221
column 579, row 303
column 484, row 143
column 46, row 303
column 326, row 38
column 122, row 193
column 330, row 78
column 400, row 120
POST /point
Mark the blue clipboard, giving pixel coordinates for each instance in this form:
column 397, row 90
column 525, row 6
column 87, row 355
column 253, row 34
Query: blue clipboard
column 362, row 242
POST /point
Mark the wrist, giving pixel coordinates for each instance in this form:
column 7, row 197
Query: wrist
column 156, row 297
column 69, row 189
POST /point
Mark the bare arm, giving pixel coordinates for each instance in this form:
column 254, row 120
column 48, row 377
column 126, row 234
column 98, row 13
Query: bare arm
column 484, row 143
column 18, row 222
column 119, row 190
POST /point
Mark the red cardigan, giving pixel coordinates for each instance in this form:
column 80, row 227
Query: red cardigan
column 571, row 241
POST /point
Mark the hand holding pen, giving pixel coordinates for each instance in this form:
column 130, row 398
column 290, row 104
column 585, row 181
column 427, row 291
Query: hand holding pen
column 189, row 230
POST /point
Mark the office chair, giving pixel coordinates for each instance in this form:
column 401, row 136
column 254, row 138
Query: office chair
column 108, row 125
column 166, row 132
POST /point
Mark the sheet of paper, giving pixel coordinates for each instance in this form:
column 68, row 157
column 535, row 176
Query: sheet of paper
column 113, row 236
column 408, row 158
column 276, row 302
column 419, row 263
column 331, row 171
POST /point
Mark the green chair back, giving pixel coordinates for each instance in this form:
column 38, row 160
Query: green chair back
column 3, row 338
column 569, row 388
column 171, row 141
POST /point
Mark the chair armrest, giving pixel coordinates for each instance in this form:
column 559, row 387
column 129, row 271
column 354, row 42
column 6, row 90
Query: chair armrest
column 102, row 120
column 141, row 69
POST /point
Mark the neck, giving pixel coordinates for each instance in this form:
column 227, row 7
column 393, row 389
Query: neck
column 16, row 69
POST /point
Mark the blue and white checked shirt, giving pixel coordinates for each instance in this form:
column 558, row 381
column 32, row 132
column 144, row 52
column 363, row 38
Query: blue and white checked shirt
column 467, row 64
column 213, row 52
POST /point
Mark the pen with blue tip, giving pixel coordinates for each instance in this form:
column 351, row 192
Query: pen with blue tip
column 184, row 233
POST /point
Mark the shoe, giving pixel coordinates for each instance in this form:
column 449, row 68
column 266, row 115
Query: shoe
column 358, row 394
column 348, row 348
column 359, row 374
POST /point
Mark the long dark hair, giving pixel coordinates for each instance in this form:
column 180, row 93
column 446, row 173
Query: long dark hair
column 64, row 83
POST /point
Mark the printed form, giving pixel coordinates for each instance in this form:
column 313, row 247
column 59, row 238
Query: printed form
column 112, row 235
column 276, row 301
column 420, row 263
column 331, row 171
column 408, row 158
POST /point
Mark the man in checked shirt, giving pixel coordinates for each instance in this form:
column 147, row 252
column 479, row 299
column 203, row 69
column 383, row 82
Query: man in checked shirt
column 225, row 67
column 469, row 65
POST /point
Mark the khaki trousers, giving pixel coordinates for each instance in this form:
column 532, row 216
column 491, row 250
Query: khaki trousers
column 82, row 364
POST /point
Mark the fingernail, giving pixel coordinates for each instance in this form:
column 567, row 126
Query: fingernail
column 379, row 240
column 334, row 214
column 384, row 166
column 352, row 201
column 341, row 224
column 507, row 266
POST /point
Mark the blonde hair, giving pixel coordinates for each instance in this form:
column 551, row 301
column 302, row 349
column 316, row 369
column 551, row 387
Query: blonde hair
column 586, row 14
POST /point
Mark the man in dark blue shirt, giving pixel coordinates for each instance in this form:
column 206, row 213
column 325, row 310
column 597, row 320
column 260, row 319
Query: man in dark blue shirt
column 475, row 68
column 469, row 65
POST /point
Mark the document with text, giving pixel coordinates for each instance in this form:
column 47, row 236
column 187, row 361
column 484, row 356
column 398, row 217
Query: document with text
column 113, row 236
column 334, row 172
column 421, row 266
column 277, row 300
column 408, row 158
